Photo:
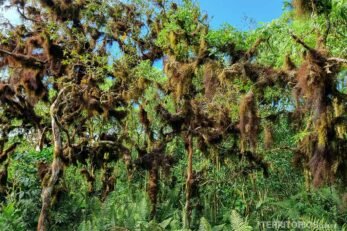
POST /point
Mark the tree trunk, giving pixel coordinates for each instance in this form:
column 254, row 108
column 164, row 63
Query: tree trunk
column 57, row 170
column 153, row 188
column 40, row 138
column 189, row 179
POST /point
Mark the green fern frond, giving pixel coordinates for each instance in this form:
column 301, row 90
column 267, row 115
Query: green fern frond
column 237, row 222
column 316, row 224
column 204, row 225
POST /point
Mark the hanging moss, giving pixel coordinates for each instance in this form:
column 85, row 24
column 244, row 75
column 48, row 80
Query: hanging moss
column 303, row 7
column 249, row 121
column 268, row 136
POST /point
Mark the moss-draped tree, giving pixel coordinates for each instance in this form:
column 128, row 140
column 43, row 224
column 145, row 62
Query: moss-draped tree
column 89, row 65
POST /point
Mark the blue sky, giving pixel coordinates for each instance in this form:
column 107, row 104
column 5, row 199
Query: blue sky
column 243, row 14
column 240, row 13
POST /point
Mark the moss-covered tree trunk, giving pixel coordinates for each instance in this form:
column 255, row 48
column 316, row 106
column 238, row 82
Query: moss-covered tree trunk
column 189, row 181
column 56, row 169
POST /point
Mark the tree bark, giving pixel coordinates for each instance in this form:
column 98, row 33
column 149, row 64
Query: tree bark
column 153, row 188
column 41, row 138
column 57, row 168
column 189, row 179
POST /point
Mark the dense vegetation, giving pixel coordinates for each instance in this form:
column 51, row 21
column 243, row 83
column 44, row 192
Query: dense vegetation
column 234, row 129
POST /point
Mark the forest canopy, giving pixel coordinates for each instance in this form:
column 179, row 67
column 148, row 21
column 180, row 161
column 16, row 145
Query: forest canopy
column 134, row 115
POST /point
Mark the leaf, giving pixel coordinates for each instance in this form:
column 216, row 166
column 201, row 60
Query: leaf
column 238, row 224
column 204, row 225
column 218, row 227
column 165, row 223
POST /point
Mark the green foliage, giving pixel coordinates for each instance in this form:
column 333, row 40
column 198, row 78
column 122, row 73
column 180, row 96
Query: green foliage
column 238, row 224
column 11, row 218
column 147, row 71
column 315, row 224
column 184, row 20
column 204, row 225
column 110, row 120
column 226, row 36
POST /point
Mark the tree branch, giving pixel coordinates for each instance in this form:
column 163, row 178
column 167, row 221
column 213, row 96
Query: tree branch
column 338, row 60
column 25, row 58
column 301, row 42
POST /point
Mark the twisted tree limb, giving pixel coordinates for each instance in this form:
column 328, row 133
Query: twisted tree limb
column 57, row 166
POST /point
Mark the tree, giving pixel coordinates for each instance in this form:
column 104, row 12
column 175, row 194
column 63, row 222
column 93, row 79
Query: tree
column 213, row 92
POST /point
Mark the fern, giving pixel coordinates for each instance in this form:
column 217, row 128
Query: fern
column 238, row 224
column 164, row 224
column 316, row 224
column 204, row 225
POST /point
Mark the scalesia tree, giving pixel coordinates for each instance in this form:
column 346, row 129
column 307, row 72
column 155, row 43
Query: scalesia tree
column 79, row 76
